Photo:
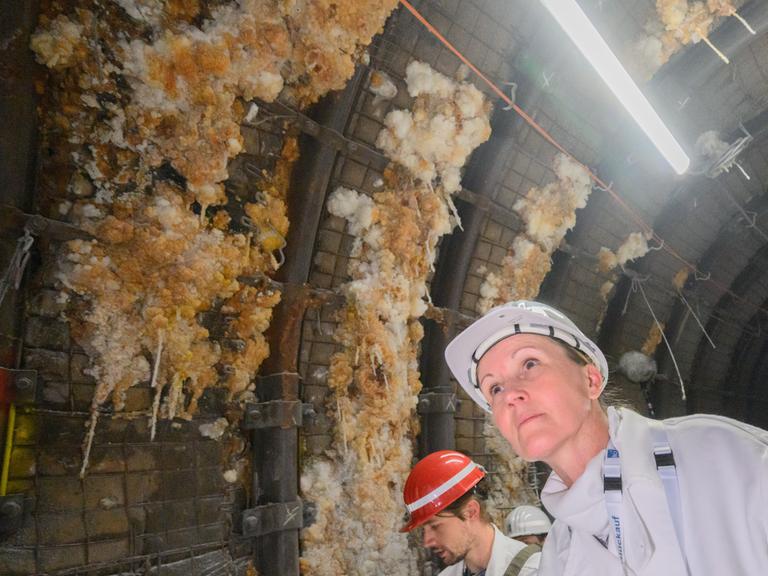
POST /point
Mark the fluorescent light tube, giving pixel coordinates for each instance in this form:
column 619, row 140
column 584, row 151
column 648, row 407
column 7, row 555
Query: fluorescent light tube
column 586, row 37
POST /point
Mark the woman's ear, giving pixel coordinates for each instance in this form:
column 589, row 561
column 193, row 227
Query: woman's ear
column 595, row 385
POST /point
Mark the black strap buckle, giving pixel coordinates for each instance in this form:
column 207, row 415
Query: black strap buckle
column 611, row 483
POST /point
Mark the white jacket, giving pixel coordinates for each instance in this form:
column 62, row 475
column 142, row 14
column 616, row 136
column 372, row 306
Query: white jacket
column 503, row 552
column 722, row 470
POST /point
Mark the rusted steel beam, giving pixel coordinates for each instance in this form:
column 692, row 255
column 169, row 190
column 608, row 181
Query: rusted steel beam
column 13, row 222
column 275, row 454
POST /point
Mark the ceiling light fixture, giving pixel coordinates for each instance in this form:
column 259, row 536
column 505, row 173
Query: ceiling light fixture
column 587, row 39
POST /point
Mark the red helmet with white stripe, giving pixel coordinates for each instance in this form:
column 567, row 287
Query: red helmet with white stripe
column 437, row 481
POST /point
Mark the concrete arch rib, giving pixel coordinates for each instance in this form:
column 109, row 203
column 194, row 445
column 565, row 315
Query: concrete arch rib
column 732, row 253
column 713, row 382
column 748, row 369
column 703, row 225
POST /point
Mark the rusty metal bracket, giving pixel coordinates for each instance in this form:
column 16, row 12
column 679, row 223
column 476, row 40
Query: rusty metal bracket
column 273, row 414
column 274, row 517
column 437, row 403
column 11, row 514
column 22, row 384
column 11, row 218
column 336, row 139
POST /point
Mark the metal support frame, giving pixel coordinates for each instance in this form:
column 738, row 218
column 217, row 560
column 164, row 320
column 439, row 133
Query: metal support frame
column 272, row 518
column 22, row 385
column 11, row 514
column 273, row 414
column 439, row 428
column 14, row 220
column 275, row 480
column 437, row 403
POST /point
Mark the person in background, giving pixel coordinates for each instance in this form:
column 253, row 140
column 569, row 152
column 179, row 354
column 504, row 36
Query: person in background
column 528, row 524
column 444, row 496
column 686, row 496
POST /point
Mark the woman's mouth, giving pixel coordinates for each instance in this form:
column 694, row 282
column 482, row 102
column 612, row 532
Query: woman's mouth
column 526, row 419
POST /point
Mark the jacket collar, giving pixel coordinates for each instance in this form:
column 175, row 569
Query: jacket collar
column 647, row 523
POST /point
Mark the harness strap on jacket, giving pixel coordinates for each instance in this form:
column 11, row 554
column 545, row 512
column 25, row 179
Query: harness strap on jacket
column 520, row 559
column 667, row 470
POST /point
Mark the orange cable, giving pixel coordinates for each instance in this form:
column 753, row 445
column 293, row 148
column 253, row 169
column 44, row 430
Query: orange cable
column 533, row 124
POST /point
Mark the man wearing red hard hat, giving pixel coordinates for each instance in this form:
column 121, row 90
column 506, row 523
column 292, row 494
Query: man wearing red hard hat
column 444, row 499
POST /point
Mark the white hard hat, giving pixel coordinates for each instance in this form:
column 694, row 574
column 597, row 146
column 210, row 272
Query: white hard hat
column 527, row 520
column 519, row 317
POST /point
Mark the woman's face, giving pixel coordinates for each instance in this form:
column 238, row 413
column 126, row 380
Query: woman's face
column 539, row 396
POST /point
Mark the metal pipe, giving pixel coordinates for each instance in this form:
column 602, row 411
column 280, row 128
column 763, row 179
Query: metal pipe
column 11, row 423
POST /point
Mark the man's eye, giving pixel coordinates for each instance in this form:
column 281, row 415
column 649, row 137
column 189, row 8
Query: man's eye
column 494, row 389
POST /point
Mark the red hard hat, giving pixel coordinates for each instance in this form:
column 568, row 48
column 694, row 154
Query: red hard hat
column 436, row 481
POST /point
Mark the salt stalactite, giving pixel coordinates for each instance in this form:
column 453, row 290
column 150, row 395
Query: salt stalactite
column 435, row 137
column 548, row 213
column 382, row 86
column 681, row 277
column 143, row 117
column 653, row 340
column 375, row 377
column 508, row 487
column 635, row 246
column 680, row 23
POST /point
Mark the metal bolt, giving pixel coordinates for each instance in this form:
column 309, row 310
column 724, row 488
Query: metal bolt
column 10, row 509
column 227, row 369
column 23, row 383
column 251, row 523
column 36, row 224
column 308, row 411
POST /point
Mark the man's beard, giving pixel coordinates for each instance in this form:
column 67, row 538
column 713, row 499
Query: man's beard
column 451, row 558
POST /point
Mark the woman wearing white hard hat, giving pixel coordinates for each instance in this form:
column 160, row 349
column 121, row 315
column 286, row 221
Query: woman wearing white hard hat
column 683, row 497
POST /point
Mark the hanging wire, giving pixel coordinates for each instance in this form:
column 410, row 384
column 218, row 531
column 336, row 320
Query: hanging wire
column 657, row 248
column 690, row 309
column 635, row 278
column 15, row 271
column 638, row 285
column 752, row 220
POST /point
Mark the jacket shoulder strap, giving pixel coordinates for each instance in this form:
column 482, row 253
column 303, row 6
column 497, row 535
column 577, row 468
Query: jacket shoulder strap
column 520, row 559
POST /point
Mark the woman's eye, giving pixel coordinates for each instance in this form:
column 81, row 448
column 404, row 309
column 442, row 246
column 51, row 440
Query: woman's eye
column 530, row 363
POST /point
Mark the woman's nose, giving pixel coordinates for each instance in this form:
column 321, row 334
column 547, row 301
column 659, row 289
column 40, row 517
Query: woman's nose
column 514, row 392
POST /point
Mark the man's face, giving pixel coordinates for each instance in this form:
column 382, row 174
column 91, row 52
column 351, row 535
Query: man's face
column 447, row 536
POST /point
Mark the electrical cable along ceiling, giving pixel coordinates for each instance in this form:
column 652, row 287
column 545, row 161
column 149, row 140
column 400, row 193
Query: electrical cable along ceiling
column 255, row 225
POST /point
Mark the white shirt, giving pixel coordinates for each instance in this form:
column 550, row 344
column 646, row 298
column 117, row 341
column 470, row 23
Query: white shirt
column 503, row 552
column 722, row 469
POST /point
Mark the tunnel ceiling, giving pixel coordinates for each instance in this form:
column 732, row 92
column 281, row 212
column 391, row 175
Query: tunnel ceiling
column 701, row 277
